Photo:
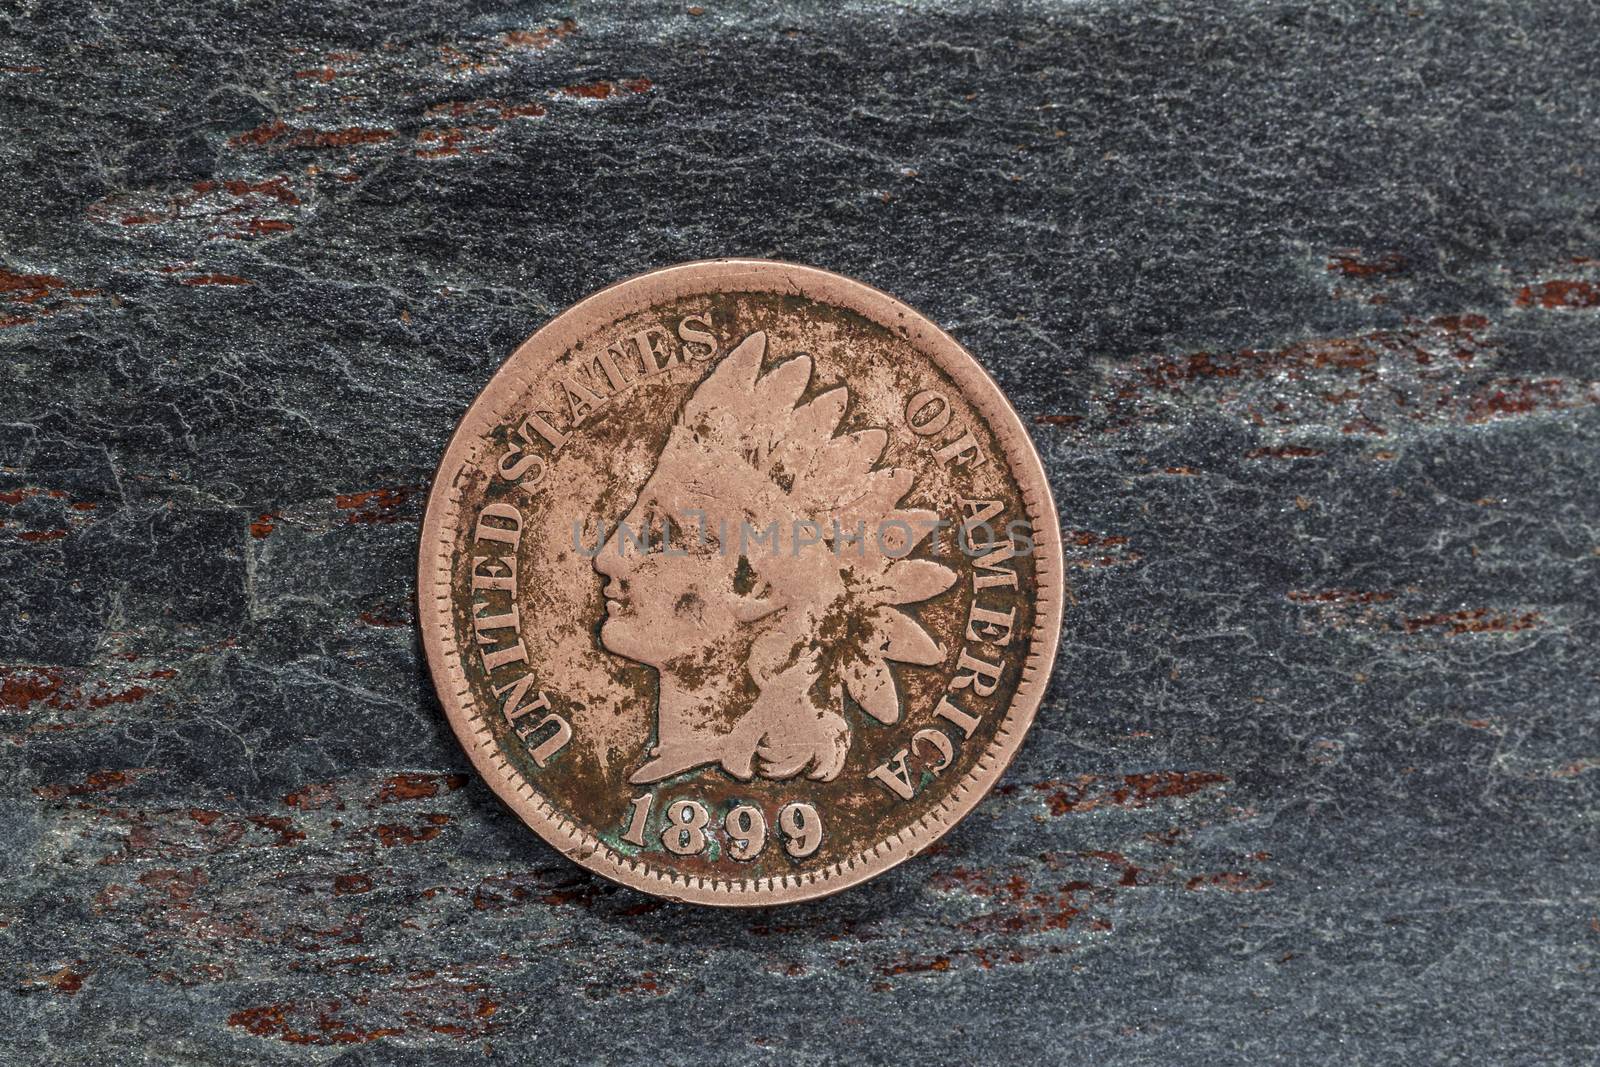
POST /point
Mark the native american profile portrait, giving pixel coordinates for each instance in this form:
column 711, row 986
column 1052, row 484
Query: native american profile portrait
column 757, row 645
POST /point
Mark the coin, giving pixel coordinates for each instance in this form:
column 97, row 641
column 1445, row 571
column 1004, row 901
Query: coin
column 740, row 582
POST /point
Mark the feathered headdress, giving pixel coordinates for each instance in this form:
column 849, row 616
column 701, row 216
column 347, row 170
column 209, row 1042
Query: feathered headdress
column 788, row 458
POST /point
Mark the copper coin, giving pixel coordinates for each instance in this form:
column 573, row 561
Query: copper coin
column 740, row 582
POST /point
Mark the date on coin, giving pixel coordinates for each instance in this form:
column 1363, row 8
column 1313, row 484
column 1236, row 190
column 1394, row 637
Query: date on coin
column 740, row 582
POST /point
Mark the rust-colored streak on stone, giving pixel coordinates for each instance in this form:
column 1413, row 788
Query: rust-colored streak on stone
column 124, row 696
column 1334, row 353
column 36, row 296
column 1013, row 887
column 1520, row 400
column 34, row 537
column 320, row 74
column 178, row 886
column 349, row 884
column 1472, row 621
column 1159, row 784
column 444, row 142
column 28, row 288
column 285, row 829
column 265, row 1021
column 1088, row 538
column 313, row 797
column 597, row 90
column 276, row 188
column 279, row 131
column 390, row 835
column 1575, row 768
column 1057, row 420
column 232, row 208
column 1087, row 549
column 1089, row 792
column 263, row 524
column 1285, row 452
column 1229, row 882
column 1511, row 398
column 375, row 505
column 22, row 686
column 1459, row 324
column 1354, row 265
column 1075, row 890
column 1370, row 384
column 401, row 787
column 215, row 279
column 512, row 891
column 1343, row 608
column 491, row 109
column 66, row 981
column 603, row 90
column 1339, row 596
column 389, row 622
column 542, row 38
column 261, row 1021
column 261, row 227
column 1560, row 294
column 1019, row 906
column 324, row 1027
column 96, row 783
column 648, row 983
column 354, row 135
column 1359, row 354
column 263, row 134
column 936, row 964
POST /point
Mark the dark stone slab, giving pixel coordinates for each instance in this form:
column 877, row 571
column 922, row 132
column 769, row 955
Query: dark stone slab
column 1303, row 301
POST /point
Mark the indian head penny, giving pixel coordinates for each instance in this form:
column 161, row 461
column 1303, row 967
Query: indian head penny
column 740, row 582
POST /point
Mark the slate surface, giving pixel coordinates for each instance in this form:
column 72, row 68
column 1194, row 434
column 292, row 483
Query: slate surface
column 1301, row 301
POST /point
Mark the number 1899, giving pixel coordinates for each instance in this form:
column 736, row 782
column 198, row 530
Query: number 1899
column 687, row 821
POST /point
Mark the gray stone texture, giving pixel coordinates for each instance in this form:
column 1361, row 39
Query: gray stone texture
column 1301, row 301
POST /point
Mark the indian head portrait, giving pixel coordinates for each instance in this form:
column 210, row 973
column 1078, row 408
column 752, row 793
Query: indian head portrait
column 753, row 573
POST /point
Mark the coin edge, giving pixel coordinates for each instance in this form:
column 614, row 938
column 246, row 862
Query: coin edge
column 642, row 291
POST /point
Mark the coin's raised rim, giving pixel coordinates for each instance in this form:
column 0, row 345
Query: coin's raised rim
column 541, row 350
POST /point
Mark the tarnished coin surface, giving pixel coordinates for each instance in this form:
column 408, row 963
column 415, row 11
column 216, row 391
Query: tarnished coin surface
column 740, row 582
